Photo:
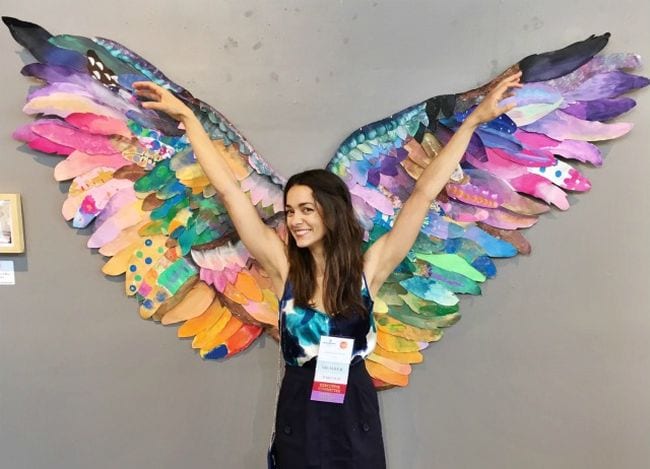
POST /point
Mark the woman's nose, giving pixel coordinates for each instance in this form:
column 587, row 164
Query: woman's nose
column 296, row 219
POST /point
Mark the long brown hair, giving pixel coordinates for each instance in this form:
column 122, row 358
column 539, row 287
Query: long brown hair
column 342, row 246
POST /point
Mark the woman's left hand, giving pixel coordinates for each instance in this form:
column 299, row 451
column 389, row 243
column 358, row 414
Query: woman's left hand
column 491, row 108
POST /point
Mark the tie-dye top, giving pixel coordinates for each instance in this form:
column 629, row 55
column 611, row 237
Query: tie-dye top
column 302, row 328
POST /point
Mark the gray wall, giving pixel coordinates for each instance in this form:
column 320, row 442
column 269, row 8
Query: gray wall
column 549, row 368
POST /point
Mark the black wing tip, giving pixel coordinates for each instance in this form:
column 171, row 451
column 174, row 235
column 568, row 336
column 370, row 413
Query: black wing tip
column 29, row 35
column 15, row 25
column 12, row 22
column 549, row 65
column 603, row 38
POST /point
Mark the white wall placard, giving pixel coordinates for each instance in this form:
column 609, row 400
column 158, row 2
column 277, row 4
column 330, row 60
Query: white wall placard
column 7, row 276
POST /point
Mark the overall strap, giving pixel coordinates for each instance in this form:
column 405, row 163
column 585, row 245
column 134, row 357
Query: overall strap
column 366, row 286
column 365, row 282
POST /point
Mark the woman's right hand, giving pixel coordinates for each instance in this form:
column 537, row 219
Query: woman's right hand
column 161, row 99
column 491, row 106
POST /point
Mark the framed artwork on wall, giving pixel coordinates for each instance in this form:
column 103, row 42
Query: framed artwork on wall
column 12, row 239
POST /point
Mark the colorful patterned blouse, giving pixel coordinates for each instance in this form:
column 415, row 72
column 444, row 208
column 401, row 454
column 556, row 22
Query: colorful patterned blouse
column 302, row 328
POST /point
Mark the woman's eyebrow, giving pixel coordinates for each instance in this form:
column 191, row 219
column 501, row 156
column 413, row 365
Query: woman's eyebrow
column 302, row 204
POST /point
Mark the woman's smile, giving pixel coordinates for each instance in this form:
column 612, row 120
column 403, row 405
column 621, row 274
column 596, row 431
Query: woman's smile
column 299, row 232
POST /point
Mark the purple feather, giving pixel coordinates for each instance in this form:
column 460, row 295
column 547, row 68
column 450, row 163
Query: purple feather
column 50, row 73
column 599, row 64
column 59, row 87
column 401, row 154
column 475, row 148
column 61, row 79
column 373, row 177
column 561, row 126
column 400, row 185
column 579, row 150
column 389, row 164
column 600, row 109
column 607, row 85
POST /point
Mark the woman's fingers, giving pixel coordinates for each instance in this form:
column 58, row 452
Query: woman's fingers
column 505, row 89
column 513, row 77
column 148, row 89
column 145, row 84
column 142, row 89
column 511, row 81
column 506, row 84
column 155, row 105
column 146, row 93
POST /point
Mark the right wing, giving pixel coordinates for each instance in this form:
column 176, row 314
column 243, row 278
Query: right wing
column 135, row 178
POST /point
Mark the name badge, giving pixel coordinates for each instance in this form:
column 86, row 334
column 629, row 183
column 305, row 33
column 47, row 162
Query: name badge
column 332, row 368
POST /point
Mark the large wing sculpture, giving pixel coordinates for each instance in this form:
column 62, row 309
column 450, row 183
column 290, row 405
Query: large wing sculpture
column 157, row 219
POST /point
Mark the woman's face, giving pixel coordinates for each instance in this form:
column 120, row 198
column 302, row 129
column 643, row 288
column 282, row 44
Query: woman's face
column 303, row 217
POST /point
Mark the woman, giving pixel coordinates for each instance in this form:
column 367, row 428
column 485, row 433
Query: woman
column 325, row 284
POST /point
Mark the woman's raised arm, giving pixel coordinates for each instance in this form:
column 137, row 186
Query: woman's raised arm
column 389, row 250
column 261, row 241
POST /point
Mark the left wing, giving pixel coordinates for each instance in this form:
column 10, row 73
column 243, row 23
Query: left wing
column 514, row 169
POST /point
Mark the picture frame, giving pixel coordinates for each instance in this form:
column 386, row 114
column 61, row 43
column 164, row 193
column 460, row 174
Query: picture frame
column 12, row 239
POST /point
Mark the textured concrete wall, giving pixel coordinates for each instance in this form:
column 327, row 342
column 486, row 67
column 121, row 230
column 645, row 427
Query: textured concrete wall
column 547, row 369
